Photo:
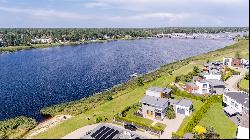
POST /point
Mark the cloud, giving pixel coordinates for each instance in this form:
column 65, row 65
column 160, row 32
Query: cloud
column 95, row 4
column 45, row 13
column 155, row 16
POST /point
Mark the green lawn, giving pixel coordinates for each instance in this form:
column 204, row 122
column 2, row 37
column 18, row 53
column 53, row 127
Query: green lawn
column 244, row 84
column 219, row 121
column 160, row 126
column 196, row 104
column 109, row 109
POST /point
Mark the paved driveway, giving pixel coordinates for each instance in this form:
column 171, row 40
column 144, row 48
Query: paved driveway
column 172, row 126
column 231, row 83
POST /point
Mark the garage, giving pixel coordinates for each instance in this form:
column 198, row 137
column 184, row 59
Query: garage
column 181, row 111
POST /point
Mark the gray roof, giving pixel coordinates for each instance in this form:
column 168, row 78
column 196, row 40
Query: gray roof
column 215, row 82
column 240, row 97
column 158, row 89
column 154, row 101
column 173, row 101
column 191, row 84
column 185, row 102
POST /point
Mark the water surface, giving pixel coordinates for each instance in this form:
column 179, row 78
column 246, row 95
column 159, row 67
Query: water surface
column 33, row 79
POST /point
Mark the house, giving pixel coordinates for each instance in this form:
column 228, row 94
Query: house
column 213, row 67
column 191, row 87
column 244, row 63
column 41, row 40
column 213, row 74
column 203, row 86
column 184, row 107
column 236, row 107
column 227, row 61
column 154, row 107
column 158, row 92
column 216, row 86
column 236, row 62
column 157, row 100
column 242, row 133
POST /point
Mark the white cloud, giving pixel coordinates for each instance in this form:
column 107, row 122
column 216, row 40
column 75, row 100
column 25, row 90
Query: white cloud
column 155, row 16
column 95, row 4
column 45, row 13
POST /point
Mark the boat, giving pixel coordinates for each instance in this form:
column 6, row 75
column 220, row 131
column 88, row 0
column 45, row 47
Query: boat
column 133, row 75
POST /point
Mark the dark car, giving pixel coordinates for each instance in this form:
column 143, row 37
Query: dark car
column 130, row 127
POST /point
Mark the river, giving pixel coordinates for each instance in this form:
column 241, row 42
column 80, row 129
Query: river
column 33, row 79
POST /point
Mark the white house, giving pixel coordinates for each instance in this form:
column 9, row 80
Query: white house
column 184, row 107
column 211, row 76
column 203, row 86
column 236, row 102
column 242, row 133
column 41, row 40
column 227, row 61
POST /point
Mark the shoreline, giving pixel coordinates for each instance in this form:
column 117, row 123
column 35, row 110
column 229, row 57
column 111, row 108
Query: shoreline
column 12, row 49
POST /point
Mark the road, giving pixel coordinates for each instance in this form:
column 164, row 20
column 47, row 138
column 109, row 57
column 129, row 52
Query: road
column 231, row 82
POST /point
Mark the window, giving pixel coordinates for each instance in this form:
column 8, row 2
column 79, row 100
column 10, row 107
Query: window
column 151, row 112
column 236, row 105
column 204, row 85
column 147, row 111
column 204, row 90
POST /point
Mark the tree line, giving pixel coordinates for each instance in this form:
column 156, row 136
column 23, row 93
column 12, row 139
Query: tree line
column 24, row 36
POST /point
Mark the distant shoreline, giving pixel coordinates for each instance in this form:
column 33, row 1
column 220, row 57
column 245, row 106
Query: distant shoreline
column 12, row 49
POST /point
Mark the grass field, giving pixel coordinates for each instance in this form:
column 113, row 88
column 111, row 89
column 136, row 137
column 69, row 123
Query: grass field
column 244, row 84
column 196, row 104
column 222, row 125
column 130, row 96
column 109, row 109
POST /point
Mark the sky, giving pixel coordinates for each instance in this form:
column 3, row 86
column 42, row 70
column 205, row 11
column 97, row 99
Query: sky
column 123, row 13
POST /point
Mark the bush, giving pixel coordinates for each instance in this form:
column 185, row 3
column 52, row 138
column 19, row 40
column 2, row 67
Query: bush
column 98, row 119
column 109, row 98
column 170, row 112
column 175, row 136
column 176, row 91
column 197, row 116
column 246, row 76
column 16, row 128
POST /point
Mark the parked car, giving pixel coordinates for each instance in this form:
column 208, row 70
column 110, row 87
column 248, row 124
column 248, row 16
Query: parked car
column 130, row 127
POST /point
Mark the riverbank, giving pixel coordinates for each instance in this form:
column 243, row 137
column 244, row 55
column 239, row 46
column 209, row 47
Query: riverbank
column 11, row 49
column 130, row 92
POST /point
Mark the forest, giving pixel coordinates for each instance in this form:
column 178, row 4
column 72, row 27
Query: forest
column 26, row 36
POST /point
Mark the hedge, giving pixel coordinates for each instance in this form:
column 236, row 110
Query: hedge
column 197, row 116
column 178, row 92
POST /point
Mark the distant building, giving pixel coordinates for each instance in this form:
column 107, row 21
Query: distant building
column 41, row 40
column 211, row 75
column 236, row 62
